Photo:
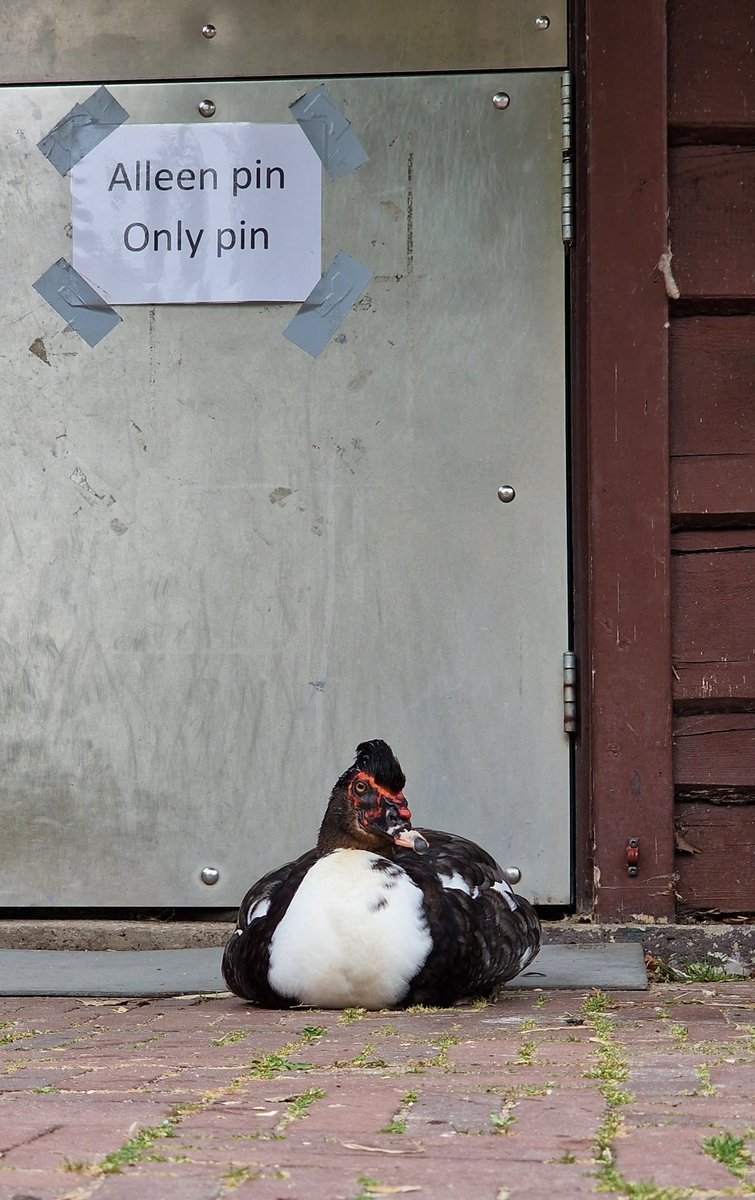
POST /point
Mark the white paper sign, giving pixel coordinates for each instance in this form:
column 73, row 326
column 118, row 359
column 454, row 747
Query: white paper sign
column 195, row 214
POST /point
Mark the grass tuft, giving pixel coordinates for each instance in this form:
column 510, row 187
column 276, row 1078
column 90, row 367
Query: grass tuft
column 299, row 1107
column 398, row 1123
column 596, row 1002
column 312, row 1033
column 352, row 1014
column 271, row 1065
column 235, row 1176
column 230, row 1039
column 503, row 1121
column 731, row 1151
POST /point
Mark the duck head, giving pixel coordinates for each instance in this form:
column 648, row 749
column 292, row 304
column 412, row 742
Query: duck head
column 367, row 808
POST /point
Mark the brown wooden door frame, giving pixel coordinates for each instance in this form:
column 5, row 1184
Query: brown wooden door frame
column 621, row 516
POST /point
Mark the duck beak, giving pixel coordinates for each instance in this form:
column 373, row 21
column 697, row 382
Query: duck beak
column 398, row 828
column 411, row 840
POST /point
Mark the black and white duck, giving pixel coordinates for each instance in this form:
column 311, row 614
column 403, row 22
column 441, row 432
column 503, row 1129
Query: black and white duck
column 379, row 914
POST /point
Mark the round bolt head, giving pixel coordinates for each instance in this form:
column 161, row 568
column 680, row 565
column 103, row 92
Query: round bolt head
column 501, row 100
column 512, row 875
column 209, row 875
column 209, row 31
column 542, row 22
column 506, row 493
column 206, row 108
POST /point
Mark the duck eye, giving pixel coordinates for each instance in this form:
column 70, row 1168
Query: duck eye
column 360, row 787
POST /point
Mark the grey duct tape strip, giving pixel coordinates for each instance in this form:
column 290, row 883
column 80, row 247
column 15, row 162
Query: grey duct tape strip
column 328, row 304
column 329, row 132
column 77, row 302
column 83, row 128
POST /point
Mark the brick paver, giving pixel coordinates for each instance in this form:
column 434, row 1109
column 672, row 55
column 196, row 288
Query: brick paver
column 544, row 1094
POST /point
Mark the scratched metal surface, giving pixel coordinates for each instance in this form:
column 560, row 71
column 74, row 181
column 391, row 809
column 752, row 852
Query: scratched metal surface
column 224, row 563
column 44, row 43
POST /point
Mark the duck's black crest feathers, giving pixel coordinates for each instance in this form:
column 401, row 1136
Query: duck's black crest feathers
column 377, row 759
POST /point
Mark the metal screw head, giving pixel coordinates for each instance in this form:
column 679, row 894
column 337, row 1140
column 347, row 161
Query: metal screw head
column 512, row 875
column 206, row 108
column 501, row 100
column 209, row 31
column 506, row 493
column 209, row 875
column 542, row 22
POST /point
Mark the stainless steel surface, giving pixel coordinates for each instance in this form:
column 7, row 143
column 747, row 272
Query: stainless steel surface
column 506, row 493
column 146, row 40
column 501, row 100
column 209, row 875
column 224, row 564
column 206, row 108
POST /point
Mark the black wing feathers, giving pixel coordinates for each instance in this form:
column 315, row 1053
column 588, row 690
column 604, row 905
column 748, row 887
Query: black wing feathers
column 247, row 955
column 478, row 939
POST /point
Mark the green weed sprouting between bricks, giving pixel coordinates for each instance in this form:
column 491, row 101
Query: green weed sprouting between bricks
column 596, row 1002
column 694, row 972
column 312, row 1033
column 398, row 1123
column 503, row 1121
column 8, row 1039
column 230, row 1039
column 299, row 1107
column 367, row 1187
column 136, row 1148
column 444, row 1042
column 350, row 1015
column 680, row 1033
column 364, row 1059
column 370, row 1188
column 130, row 1152
column 705, row 1088
column 612, row 1070
column 731, row 1151
column 274, row 1064
column 235, row 1176
column 526, row 1054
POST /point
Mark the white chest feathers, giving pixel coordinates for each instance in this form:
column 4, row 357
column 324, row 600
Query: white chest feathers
column 354, row 934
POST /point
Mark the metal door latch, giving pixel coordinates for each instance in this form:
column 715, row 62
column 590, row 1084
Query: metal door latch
column 633, row 856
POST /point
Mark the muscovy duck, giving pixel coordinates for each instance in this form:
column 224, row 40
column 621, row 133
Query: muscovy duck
column 379, row 914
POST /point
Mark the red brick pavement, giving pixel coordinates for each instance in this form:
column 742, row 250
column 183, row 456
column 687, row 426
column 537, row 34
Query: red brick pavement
column 542, row 1095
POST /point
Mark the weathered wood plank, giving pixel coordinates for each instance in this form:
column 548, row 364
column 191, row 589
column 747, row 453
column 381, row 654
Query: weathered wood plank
column 720, row 876
column 714, row 683
column 713, row 485
column 623, row 526
column 712, row 192
column 691, row 541
column 712, row 382
column 711, row 69
column 715, row 750
column 713, row 615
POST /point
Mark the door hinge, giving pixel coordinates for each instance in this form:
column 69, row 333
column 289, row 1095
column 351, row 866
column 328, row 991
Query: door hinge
column 567, row 162
column 570, row 692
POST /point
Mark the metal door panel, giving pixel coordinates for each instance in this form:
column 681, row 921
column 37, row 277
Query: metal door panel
column 225, row 563
column 144, row 40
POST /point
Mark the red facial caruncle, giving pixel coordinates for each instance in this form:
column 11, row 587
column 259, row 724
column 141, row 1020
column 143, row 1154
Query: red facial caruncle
column 371, row 799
